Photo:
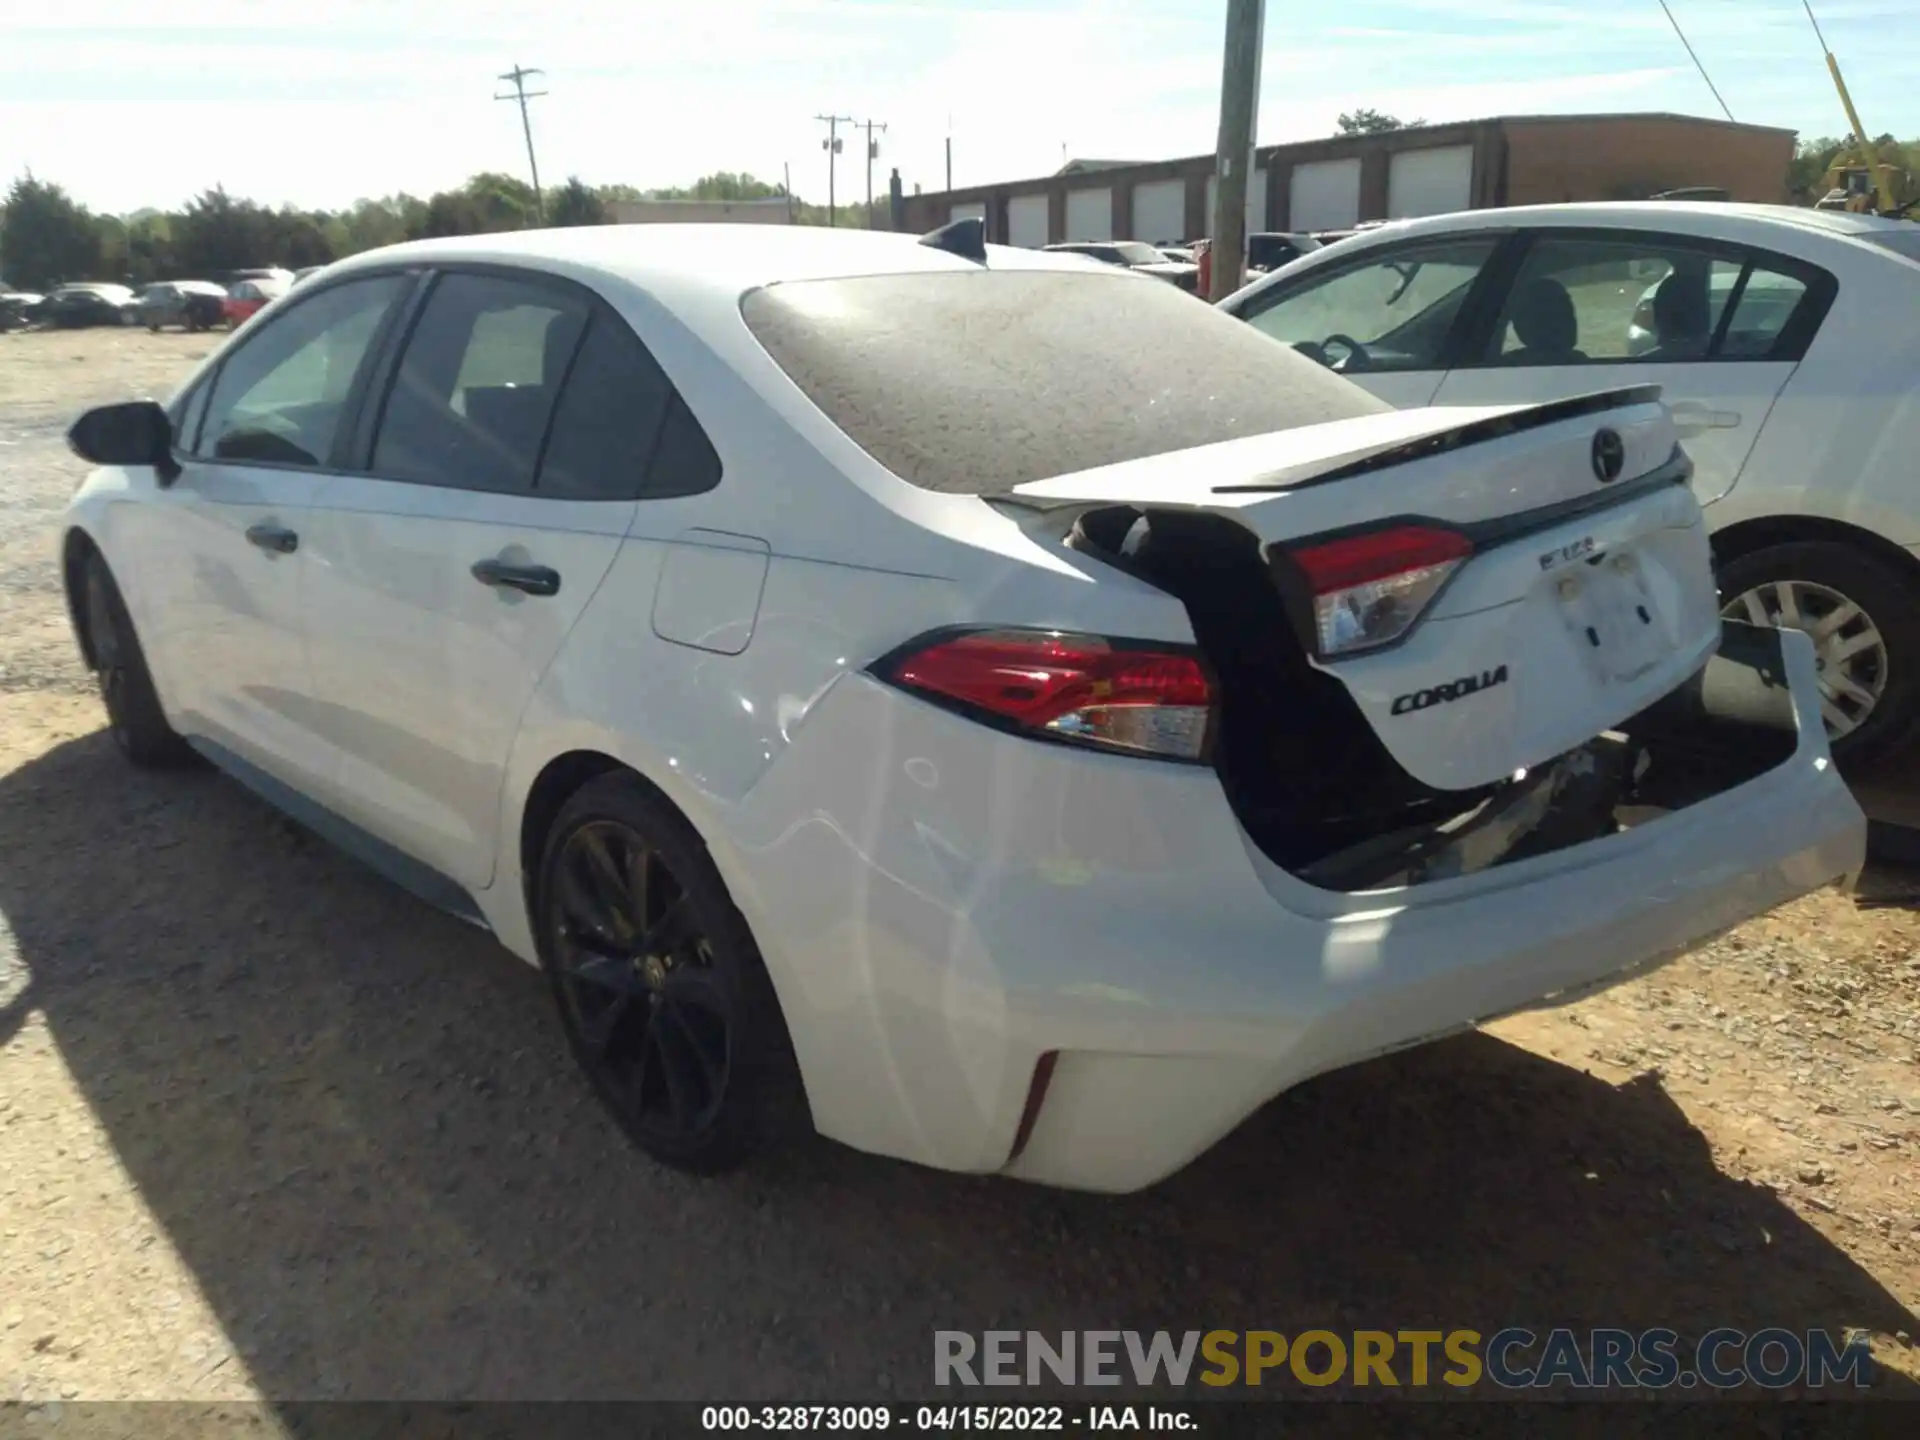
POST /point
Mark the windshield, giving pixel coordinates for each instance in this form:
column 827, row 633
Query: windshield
column 978, row 381
column 1135, row 252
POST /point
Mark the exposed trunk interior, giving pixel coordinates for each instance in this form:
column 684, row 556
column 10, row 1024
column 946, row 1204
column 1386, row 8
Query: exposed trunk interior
column 1321, row 796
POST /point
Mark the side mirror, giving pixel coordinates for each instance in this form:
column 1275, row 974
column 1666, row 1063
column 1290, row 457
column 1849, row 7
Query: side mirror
column 136, row 432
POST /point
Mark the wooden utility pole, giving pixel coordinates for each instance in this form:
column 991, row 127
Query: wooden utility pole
column 518, row 75
column 832, row 146
column 873, row 153
column 1233, row 158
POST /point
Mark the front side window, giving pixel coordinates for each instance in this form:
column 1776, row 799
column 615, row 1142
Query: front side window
column 281, row 397
column 1392, row 312
column 477, row 385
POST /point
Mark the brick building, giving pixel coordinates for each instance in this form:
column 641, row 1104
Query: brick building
column 1334, row 183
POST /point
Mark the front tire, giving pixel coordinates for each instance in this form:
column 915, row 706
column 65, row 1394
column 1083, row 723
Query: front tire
column 661, row 989
column 134, row 717
column 1860, row 614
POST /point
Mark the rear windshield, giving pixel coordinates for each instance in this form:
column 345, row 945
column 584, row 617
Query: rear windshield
column 973, row 382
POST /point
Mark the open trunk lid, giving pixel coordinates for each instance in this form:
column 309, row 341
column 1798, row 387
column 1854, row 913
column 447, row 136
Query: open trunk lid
column 1493, row 586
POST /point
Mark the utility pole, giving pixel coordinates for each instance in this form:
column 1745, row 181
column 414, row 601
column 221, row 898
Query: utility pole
column 518, row 75
column 873, row 153
column 1233, row 158
column 832, row 146
column 786, row 185
column 949, row 152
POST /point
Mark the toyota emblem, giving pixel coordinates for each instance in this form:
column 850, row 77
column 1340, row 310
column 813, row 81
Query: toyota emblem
column 1609, row 455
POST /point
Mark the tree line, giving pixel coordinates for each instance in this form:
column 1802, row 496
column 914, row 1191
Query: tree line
column 48, row 238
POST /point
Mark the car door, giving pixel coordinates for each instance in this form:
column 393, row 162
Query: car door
column 1386, row 319
column 503, row 470
column 217, row 557
column 1718, row 327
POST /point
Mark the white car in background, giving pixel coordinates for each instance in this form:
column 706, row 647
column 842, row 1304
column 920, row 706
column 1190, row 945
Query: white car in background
column 881, row 692
column 1784, row 341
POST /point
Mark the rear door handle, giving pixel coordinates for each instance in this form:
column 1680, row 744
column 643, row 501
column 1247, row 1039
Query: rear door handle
column 274, row 538
column 528, row 579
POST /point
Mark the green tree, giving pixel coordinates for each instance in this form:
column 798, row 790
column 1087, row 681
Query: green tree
column 502, row 202
column 216, row 232
column 576, row 204
column 451, row 212
column 1371, row 122
column 49, row 238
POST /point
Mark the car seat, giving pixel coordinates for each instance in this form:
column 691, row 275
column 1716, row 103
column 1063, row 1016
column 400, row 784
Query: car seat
column 1682, row 318
column 1546, row 325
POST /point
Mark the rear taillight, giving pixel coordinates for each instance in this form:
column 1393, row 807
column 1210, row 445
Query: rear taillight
column 1370, row 589
column 1079, row 688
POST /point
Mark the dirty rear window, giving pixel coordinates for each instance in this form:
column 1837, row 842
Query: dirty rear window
column 973, row 382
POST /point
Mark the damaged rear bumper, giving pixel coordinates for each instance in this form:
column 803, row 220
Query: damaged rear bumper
column 1395, row 968
column 998, row 955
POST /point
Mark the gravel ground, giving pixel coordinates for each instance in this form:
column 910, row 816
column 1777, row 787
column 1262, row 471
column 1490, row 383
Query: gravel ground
column 269, row 1128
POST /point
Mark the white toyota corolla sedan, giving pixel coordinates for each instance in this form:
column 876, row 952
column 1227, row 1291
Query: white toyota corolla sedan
column 1783, row 341
column 984, row 707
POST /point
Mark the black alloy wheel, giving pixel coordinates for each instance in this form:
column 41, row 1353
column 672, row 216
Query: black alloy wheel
column 664, row 998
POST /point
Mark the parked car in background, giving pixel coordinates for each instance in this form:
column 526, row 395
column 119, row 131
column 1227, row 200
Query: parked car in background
column 306, row 272
column 259, row 272
column 73, row 306
column 190, row 304
column 1270, row 249
column 1179, row 254
column 1011, row 806
column 248, row 297
column 19, row 309
column 1782, row 338
column 1132, row 255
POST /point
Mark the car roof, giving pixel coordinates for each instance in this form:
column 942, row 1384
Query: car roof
column 1681, row 216
column 713, row 258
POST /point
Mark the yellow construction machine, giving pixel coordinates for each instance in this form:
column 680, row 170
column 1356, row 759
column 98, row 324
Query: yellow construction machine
column 1856, row 181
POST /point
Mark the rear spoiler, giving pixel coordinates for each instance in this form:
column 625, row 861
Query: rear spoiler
column 1299, row 472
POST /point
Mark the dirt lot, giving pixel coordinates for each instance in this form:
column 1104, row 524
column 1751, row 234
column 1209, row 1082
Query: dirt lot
column 269, row 1127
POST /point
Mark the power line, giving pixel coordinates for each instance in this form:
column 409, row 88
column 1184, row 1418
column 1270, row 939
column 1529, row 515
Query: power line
column 1696, row 59
column 873, row 152
column 518, row 75
column 832, row 146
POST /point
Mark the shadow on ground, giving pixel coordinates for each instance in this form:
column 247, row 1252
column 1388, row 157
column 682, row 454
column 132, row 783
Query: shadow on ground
column 356, row 1122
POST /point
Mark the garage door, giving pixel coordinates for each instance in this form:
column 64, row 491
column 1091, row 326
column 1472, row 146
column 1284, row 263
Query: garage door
column 1430, row 182
column 1027, row 221
column 976, row 210
column 1090, row 214
column 1160, row 211
column 1324, row 195
column 1256, row 200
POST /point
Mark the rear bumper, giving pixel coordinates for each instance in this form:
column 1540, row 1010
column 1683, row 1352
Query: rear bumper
column 957, row 904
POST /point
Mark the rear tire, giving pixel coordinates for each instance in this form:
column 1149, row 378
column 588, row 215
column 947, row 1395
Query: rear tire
column 661, row 990
column 1869, row 661
column 134, row 717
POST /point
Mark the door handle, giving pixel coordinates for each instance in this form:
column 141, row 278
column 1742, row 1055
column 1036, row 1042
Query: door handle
column 1696, row 416
column 276, row 539
column 528, row 579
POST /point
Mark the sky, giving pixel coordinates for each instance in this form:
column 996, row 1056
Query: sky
column 319, row 102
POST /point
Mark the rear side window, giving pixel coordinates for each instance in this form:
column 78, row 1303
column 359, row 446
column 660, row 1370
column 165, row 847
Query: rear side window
column 1652, row 299
column 621, row 431
column 477, row 385
column 975, row 381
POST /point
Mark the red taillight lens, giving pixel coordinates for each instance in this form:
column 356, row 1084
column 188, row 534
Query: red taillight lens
column 1370, row 589
column 1071, row 687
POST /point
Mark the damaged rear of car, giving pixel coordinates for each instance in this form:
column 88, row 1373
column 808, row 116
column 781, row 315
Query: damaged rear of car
column 1312, row 729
